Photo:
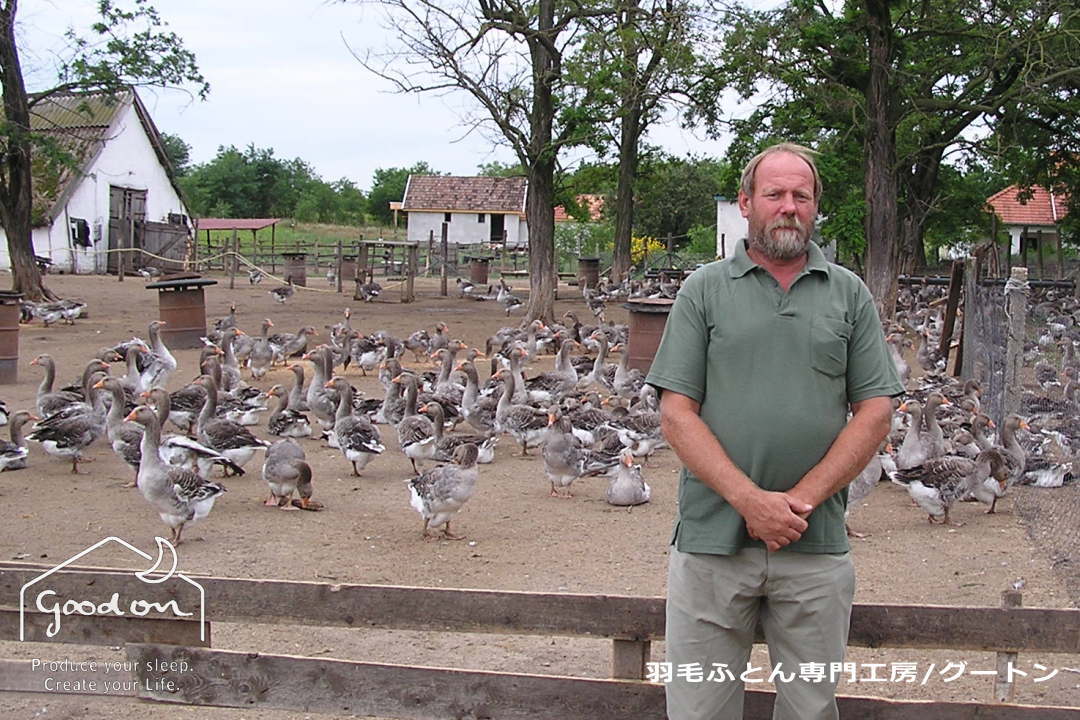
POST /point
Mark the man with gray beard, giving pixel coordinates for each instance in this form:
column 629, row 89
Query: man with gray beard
column 763, row 357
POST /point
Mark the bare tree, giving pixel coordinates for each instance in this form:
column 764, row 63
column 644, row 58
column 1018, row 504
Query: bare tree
column 146, row 56
column 508, row 55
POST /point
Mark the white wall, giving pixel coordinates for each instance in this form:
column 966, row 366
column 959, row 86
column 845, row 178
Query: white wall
column 463, row 228
column 730, row 226
column 128, row 160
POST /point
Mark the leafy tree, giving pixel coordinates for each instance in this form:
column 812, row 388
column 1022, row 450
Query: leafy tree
column 388, row 185
column 675, row 194
column 129, row 47
column 638, row 59
column 914, row 83
column 500, row 169
column 178, row 152
column 508, row 55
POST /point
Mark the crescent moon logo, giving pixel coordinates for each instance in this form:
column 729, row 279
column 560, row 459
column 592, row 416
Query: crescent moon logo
column 166, row 551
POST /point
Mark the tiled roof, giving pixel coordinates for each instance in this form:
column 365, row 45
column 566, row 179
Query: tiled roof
column 1043, row 208
column 595, row 203
column 444, row 193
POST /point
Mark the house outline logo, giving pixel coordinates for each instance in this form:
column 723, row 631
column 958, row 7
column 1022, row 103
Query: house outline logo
column 164, row 546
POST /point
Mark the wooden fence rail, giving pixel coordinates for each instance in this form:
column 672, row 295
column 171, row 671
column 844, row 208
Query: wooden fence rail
column 239, row 679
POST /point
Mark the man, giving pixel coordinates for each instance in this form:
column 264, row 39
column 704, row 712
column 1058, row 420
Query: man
column 763, row 356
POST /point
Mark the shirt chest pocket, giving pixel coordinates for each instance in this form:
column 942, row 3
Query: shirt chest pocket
column 829, row 337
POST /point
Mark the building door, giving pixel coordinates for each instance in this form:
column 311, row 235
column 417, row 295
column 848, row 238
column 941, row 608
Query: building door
column 497, row 224
column 127, row 211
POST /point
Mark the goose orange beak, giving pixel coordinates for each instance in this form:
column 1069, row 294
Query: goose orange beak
column 131, row 415
column 329, row 384
column 100, row 384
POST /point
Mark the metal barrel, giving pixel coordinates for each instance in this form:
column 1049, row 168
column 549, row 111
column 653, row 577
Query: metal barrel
column 478, row 270
column 648, row 316
column 589, row 272
column 184, row 312
column 296, row 268
column 348, row 268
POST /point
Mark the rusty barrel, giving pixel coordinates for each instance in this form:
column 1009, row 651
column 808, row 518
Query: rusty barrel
column 588, row 272
column 182, row 305
column 9, row 337
column 296, row 268
column 648, row 316
column 478, row 270
column 348, row 268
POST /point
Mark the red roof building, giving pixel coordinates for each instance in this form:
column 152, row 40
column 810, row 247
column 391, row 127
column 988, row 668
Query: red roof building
column 595, row 204
column 1031, row 218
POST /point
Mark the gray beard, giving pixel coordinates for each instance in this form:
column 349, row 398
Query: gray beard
column 779, row 242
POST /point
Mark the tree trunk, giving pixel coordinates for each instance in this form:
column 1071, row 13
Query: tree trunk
column 881, row 185
column 624, row 194
column 540, row 196
column 630, row 129
column 16, row 199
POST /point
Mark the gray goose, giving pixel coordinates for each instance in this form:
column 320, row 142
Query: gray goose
column 49, row 402
column 478, row 411
column 356, row 437
column 941, row 481
column 439, row 493
column 447, row 443
column 627, row 487
column 180, row 496
column 69, row 432
column 284, row 421
column 527, row 424
column 416, row 433
column 13, row 454
column 287, row 472
column 181, row 450
column 124, row 437
column 565, row 460
column 229, row 438
column 162, row 363
column 285, row 345
column 261, row 356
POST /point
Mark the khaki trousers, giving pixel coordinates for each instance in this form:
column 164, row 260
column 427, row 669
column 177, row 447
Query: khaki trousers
column 714, row 603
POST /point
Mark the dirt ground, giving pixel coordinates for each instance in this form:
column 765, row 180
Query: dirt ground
column 519, row 538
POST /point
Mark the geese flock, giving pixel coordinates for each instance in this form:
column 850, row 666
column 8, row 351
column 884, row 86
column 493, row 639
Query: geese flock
column 944, row 448
column 448, row 405
column 587, row 417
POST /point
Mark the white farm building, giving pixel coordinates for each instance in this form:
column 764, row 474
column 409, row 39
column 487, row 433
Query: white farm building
column 123, row 183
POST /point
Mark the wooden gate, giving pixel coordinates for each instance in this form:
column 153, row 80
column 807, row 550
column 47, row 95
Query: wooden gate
column 164, row 239
column 127, row 209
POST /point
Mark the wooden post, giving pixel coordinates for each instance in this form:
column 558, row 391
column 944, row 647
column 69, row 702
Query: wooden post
column 1060, row 274
column 125, row 243
column 232, row 259
column 339, row 265
column 1024, row 246
column 628, row 659
column 411, row 266
column 362, row 259
column 956, row 284
column 1003, row 686
column 430, row 251
column 445, row 260
column 1016, row 292
column 273, row 257
column 1041, row 254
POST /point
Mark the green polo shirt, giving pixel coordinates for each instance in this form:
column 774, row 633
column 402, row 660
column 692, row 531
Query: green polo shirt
column 774, row 373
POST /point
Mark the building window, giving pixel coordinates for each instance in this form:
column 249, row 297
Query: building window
column 480, row 217
column 446, row 217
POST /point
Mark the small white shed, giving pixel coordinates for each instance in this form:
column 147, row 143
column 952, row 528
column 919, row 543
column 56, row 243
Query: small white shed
column 475, row 209
column 730, row 226
column 124, row 180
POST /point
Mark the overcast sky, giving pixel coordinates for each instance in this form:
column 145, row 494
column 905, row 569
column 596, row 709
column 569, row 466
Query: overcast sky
column 282, row 77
